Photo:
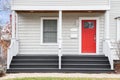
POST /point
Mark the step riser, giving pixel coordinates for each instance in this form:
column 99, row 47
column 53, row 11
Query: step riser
column 85, row 62
column 34, row 57
column 35, row 62
column 57, row 71
column 86, row 66
column 63, row 66
column 34, row 66
column 85, row 59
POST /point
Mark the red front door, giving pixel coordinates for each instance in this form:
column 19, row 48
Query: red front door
column 88, row 36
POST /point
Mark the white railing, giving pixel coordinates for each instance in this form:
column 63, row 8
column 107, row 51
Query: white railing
column 59, row 59
column 108, row 51
column 12, row 51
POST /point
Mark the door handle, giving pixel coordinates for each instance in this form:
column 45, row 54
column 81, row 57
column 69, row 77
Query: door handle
column 95, row 37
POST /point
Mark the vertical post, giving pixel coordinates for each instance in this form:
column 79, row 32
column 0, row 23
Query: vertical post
column 109, row 3
column 118, row 29
column 107, row 35
column 13, row 30
column 13, row 24
column 60, row 37
column 17, row 41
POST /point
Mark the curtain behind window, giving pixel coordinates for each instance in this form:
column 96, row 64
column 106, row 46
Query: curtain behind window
column 49, row 31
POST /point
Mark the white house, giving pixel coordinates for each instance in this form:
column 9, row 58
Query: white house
column 64, row 30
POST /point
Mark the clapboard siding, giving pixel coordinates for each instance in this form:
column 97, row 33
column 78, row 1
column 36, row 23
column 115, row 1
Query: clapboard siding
column 70, row 20
column 29, row 33
column 114, row 12
column 59, row 2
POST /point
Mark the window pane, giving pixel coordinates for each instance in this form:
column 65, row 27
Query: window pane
column 89, row 24
column 50, row 31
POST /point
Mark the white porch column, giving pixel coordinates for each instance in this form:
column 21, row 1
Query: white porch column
column 13, row 32
column 118, row 29
column 13, row 24
column 60, row 37
column 107, row 26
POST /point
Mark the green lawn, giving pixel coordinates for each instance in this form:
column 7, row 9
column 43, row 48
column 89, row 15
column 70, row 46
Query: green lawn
column 38, row 78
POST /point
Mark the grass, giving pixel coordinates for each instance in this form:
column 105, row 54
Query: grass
column 47, row 78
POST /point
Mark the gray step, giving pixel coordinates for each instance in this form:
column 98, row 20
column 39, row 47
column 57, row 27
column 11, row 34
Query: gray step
column 34, row 66
column 85, row 62
column 49, row 63
column 16, row 70
column 80, row 70
column 86, row 58
column 86, row 69
column 34, row 60
column 35, row 57
column 85, row 66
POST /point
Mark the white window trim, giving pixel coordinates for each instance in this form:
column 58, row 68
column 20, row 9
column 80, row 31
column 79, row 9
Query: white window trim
column 48, row 18
column 97, row 34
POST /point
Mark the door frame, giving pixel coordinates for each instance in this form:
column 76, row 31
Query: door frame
column 97, row 34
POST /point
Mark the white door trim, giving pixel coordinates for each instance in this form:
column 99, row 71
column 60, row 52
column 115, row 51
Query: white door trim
column 97, row 34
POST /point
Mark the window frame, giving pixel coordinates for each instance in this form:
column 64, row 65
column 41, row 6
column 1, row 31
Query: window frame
column 48, row 18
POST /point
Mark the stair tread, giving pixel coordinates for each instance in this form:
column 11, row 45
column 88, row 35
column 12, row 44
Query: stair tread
column 84, row 60
column 33, row 59
column 37, row 55
column 85, row 64
column 33, row 64
column 84, row 56
column 61, row 69
column 86, row 68
column 35, row 68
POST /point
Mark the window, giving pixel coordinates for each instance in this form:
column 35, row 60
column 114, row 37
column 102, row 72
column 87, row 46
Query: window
column 88, row 24
column 49, row 30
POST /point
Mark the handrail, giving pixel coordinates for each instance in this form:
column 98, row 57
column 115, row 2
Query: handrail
column 9, row 54
column 107, row 50
column 12, row 51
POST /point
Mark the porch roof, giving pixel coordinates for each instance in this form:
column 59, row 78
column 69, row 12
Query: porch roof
column 99, row 7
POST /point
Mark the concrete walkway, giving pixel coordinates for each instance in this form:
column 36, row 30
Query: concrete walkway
column 82, row 75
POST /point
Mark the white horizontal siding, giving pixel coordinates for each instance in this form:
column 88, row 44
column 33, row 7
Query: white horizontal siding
column 29, row 33
column 114, row 12
column 70, row 20
column 59, row 2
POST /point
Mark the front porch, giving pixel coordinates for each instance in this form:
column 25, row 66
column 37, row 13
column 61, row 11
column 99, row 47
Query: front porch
column 28, row 40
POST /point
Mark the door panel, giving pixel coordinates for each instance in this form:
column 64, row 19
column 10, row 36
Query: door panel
column 88, row 36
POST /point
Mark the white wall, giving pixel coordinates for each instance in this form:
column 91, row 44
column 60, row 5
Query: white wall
column 29, row 32
column 59, row 2
column 114, row 12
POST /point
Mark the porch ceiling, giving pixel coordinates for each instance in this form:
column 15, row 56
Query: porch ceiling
column 70, row 11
